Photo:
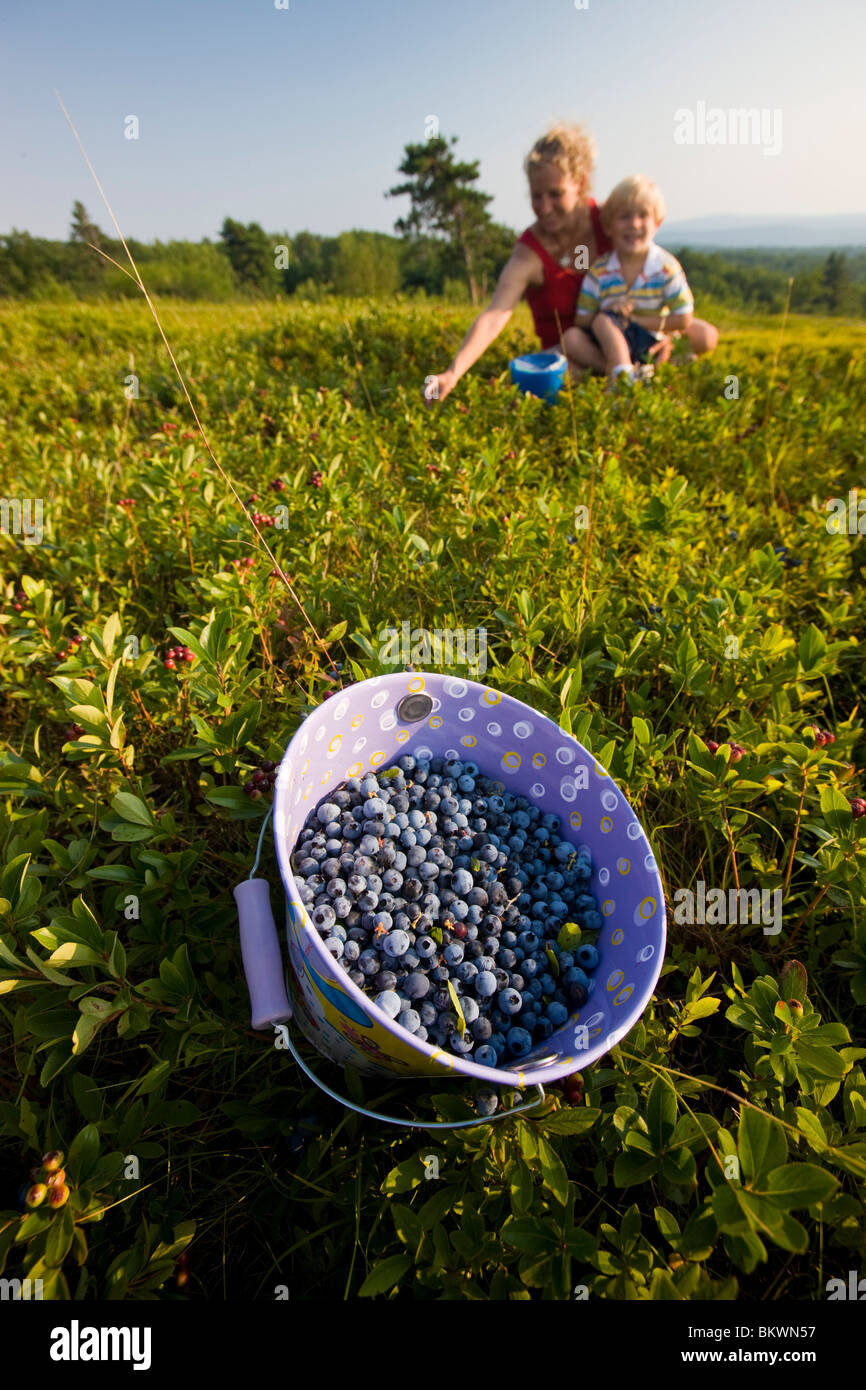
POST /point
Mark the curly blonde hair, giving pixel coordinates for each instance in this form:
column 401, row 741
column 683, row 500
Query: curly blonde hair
column 571, row 148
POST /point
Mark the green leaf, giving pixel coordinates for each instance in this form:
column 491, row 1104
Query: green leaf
column 131, row 808
column 661, row 1112
column 632, row 1167
column 60, row 1237
column 835, row 809
column 532, row 1237
column 455, row 1000
column 800, row 1185
column 640, row 729
column 553, row 1170
column 810, row 1125
column 520, row 1187
column 153, row 1078
column 407, row 1224
column 405, row 1176
column 385, row 1275
column 577, row 1119
column 83, row 1153
column 753, row 1141
column 85, row 1031
column 819, row 1061
column 667, row 1224
column 72, row 953
column 811, row 648
column 770, row 1220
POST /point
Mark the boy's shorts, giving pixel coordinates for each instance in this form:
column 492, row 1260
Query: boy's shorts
column 638, row 338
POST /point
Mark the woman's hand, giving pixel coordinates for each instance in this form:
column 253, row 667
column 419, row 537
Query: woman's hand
column 436, row 388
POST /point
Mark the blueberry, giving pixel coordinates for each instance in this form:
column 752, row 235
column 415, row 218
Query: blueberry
column 469, row 1007
column 453, row 954
column 509, row 1001
column 410, row 1020
column 486, row 1056
column 323, row 916
column 519, row 1042
column 587, row 956
column 417, row 985
column 486, row 1102
column 389, row 1002
column 384, row 980
column 485, row 984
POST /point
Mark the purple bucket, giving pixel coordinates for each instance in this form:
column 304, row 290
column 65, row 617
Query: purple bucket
column 369, row 725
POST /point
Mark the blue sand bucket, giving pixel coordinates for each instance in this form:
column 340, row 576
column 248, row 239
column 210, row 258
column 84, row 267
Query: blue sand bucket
column 539, row 374
column 366, row 727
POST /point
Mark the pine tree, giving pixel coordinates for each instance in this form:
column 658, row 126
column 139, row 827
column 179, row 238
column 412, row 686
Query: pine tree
column 444, row 202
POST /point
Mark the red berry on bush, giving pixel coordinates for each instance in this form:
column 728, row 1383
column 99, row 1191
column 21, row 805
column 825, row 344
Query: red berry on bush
column 268, row 766
column 36, row 1195
column 258, row 777
column 858, row 807
column 56, row 1179
column 315, row 479
column 58, row 1196
column 169, row 663
column 737, row 752
column 712, row 745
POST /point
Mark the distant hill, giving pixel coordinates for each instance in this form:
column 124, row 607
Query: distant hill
column 839, row 231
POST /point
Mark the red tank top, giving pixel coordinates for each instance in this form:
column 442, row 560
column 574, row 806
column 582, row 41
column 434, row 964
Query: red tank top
column 561, row 285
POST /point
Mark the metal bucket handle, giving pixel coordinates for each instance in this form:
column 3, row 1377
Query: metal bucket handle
column 285, row 1042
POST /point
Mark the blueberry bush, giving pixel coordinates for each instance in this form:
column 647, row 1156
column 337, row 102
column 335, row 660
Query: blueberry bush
column 655, row 572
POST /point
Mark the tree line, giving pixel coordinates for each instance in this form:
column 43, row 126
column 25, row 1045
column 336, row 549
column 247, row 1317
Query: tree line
column 447, row 245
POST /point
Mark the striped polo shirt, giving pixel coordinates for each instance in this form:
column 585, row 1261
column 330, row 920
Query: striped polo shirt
column 661, row 284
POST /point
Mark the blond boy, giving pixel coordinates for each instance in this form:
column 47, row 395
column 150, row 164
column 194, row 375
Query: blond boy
column 634, row 295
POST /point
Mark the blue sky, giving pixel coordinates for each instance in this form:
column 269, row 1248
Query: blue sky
column 297, row 118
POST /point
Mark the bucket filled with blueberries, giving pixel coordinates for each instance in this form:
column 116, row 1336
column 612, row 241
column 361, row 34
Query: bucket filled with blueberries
column 467, row 891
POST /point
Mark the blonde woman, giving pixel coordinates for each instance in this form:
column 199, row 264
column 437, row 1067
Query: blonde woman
column 550, row 259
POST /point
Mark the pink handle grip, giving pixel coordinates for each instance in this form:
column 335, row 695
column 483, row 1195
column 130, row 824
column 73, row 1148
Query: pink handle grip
column 260, row 949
